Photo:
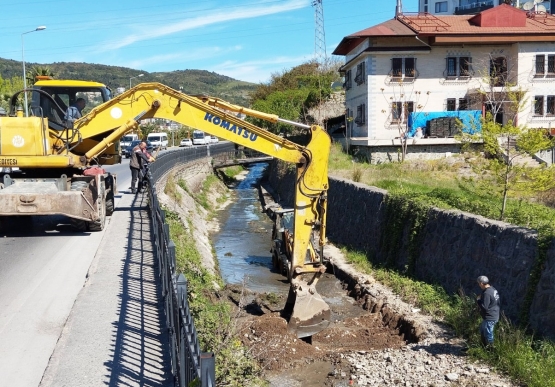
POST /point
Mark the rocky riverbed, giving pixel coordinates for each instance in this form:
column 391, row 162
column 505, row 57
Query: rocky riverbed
column 436, row 357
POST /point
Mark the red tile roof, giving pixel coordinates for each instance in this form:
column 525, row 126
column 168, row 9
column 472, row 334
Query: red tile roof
column 504, row 23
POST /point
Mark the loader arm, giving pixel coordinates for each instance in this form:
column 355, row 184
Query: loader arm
column 310, row 313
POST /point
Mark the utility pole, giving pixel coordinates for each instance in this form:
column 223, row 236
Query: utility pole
column 319, row 32
column 319, row 48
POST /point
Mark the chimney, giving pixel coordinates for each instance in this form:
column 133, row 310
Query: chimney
column 398, row 8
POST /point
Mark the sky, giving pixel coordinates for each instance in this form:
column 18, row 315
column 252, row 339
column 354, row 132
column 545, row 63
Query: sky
column 247, row 40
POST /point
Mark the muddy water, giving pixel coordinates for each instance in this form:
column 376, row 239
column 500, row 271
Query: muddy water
column 243, row 250
column 243, row 243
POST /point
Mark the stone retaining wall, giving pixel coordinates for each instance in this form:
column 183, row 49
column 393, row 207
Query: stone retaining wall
column 392, row 153
column 455, row 247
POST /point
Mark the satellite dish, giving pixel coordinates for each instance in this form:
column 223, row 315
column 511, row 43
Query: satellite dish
column 541, row 8
column 528, row 5
column 538, row 1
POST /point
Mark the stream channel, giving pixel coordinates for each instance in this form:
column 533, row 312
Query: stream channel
column 242, row 247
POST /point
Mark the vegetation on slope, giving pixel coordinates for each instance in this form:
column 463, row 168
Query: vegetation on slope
column 190, row 81
column 212, row 315
column 413, row 186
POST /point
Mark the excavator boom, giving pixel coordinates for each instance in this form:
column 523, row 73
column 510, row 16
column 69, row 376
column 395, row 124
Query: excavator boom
column 92, row 139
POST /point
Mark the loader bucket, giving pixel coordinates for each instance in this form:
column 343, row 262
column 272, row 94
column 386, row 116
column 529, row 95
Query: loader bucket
column 309, row 313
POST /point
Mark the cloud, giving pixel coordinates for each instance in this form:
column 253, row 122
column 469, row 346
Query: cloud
column 257, row 71
column 183, row 56
column 246, row 12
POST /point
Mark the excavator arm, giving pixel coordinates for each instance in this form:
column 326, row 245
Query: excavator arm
column 308, row 313
column 92, row 140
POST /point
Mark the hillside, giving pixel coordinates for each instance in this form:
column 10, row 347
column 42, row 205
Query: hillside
column 192, row 81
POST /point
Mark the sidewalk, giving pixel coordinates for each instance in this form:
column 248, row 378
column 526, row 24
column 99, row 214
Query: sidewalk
column 115, row 334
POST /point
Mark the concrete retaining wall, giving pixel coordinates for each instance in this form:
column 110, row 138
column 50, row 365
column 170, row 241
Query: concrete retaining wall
column 455, row 247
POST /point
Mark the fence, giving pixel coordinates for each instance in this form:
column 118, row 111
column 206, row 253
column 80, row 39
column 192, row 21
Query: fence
column 189, row 363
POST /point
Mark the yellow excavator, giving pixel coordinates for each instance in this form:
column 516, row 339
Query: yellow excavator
column 53, row 166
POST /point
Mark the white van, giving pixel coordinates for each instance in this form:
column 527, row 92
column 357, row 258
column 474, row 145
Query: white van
column 128, row 139
column 158, row 140
column 199, row 138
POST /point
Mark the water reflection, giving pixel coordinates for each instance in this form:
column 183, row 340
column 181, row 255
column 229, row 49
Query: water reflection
column 243, row 242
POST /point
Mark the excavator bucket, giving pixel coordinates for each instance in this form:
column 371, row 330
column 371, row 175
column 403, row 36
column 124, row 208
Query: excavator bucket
column 309, row 313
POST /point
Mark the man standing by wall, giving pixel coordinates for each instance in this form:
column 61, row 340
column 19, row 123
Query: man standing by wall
column 488, row 302
column 138, row 160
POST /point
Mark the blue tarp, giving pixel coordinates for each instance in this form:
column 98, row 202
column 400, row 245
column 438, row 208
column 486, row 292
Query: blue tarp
column 471, row 120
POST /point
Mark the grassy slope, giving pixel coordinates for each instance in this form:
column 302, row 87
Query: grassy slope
column 523, row 357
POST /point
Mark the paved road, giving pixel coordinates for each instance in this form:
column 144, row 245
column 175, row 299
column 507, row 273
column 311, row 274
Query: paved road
column 43, row 266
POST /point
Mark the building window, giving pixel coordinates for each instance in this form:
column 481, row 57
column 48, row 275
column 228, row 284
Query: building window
column 538, row 105
column 441, row 6
column 348, row 84
column 498, row 71
column 541, row 66
column 458, row 66
column 361, row 73
column 425, row 5
column 400, row 111
column 453, row 104
column 403, row 67
column 550, row 108
column 397, row 67
column 361, row 115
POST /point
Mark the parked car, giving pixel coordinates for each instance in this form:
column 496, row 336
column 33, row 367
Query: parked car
column 186, row 142
column 126, row 152
column 214, row 139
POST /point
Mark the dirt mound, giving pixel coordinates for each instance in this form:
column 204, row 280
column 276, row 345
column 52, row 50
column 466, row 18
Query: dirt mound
column 273, row 346
column 276, row 349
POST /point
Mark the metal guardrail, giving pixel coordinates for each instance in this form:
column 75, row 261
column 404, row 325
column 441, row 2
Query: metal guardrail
column 189, row 364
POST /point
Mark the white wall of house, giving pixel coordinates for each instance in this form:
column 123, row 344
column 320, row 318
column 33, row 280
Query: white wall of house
column 431, row 88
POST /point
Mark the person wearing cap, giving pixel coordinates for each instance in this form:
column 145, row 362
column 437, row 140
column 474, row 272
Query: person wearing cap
column 488, row 302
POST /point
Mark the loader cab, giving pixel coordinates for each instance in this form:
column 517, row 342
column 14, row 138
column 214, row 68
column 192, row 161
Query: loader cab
column 63, row 93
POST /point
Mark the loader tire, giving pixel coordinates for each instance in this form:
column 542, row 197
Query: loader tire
column 109, row 203
column 99, row 224
column 78, row 224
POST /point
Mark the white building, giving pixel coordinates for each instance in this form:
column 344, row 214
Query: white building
column 432, row 63
column 469, row 7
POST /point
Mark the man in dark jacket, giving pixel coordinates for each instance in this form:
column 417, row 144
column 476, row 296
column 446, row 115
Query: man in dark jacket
column 488, row 302
column 138, row 160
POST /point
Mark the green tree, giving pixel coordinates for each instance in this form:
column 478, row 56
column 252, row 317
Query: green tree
column 505, row 171
column 38, row 71
column 7, row 88
column 145, row 129
column 291, row 93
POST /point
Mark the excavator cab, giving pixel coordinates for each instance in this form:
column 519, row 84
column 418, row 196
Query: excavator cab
column 51, row 98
